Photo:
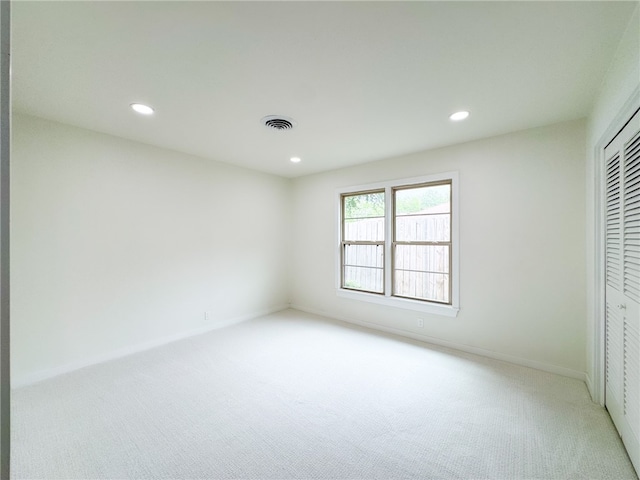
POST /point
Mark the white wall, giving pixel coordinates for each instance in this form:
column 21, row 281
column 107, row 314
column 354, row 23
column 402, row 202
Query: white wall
column 522, row 268
column 621, row 81
column 116, row 244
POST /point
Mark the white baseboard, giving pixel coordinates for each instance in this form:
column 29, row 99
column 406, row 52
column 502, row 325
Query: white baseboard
column 524, row 362
column 587, row 380
column 37, row 376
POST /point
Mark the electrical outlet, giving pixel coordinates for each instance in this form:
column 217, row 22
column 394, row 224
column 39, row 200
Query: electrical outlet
column 207, row 316
column 420, row 322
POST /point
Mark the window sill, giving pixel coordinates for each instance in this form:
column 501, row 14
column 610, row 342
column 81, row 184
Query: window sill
column 407, row 304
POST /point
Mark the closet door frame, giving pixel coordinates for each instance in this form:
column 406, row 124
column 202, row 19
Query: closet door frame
column 596, row 384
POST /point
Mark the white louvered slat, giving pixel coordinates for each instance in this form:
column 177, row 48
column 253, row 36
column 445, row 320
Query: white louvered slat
column 630, row 151
column 614, row 350
column 632, row 377
column 634, row 145
column 632, row 226
column 632, row 201
column 631, row 221
column 613, row 231
column 633, row 177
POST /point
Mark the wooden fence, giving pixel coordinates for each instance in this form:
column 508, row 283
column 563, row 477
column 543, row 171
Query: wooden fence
column 420, row 271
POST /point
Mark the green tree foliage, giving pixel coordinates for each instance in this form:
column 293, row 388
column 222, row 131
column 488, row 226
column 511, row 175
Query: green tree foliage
column 364, row 205
column 417, row 199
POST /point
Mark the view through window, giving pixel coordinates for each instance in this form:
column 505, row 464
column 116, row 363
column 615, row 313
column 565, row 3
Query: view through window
column 363, row 234
column 422, row 242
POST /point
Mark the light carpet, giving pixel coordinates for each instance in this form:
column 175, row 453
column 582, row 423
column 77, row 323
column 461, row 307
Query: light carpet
column 296, row 396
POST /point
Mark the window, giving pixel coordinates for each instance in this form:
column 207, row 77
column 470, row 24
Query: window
column 398, row 244
column 422, row 242
column 363, row 241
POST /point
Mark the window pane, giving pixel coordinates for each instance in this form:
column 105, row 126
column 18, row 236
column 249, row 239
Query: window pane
column 364, row 229
column 423, row 214
column 363, row 205
column 364, row 278
column 423, row 286
column 423, row 228
column 423, row 258
column 364, row 255
column 363, row 216
column 416, row 200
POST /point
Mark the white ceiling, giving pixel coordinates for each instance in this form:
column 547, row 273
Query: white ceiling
column 363, row 80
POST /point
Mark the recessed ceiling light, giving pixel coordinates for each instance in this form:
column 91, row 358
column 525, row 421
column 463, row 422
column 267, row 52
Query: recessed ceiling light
column 295, row 159
column 459, row 116
column 143, row 109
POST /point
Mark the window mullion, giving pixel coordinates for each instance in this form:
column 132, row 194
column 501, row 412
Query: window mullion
column 424, row 243
column 388, row 242
column 362, row 242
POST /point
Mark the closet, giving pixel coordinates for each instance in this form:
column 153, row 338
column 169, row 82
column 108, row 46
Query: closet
column 622, row 295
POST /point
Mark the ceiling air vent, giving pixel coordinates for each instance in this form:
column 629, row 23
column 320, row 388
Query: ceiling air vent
column 278, row 122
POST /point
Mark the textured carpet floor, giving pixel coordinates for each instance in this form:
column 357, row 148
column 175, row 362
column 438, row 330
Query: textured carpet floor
column 294, row 396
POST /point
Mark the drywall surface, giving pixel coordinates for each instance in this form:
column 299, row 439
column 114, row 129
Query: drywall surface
column 522, row 245
column 620, row 84
column 622, row 78
column 117, row 244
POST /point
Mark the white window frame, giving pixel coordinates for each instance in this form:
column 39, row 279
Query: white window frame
column 387, row 298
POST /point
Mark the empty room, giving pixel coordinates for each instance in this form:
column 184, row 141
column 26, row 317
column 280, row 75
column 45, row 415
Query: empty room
column 320, row 240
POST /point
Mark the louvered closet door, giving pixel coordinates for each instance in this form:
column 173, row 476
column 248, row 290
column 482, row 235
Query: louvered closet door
column 622, row 240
